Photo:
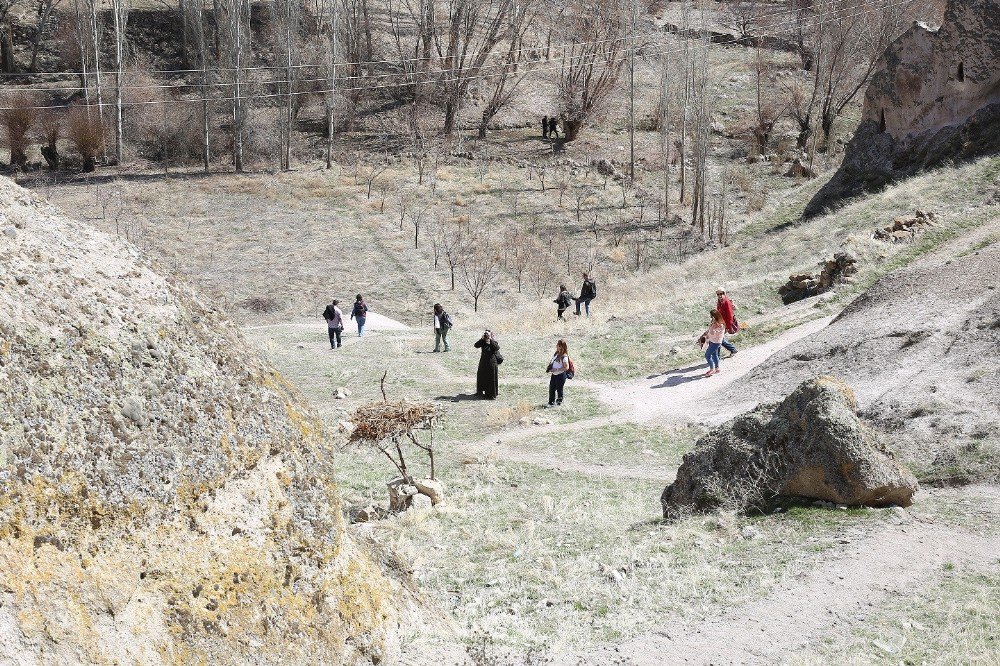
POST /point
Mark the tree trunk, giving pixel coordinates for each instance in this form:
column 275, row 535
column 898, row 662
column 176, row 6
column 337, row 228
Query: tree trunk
column 7, row 64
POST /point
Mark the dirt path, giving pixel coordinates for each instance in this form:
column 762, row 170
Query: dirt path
column 829, row 601
column 676, row 395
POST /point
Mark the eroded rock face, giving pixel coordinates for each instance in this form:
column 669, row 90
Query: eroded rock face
column 165, row 496
column 810, row 445
column 934, row 96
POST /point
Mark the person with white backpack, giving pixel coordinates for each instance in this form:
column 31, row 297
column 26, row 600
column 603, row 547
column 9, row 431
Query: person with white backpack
column 560, row 369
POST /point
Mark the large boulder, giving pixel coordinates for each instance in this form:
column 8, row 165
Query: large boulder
column 810, row 445
column 918, row 348
column 165, row 495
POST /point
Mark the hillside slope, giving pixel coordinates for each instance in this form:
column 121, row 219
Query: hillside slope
column 165, row 495
column 919, row 348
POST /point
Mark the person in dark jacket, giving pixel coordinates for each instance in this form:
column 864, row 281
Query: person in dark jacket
column 728, row 312
column 359, row 313
column 442, row 324
column 588, row 292
column 488, row 376
column 563, row 301
column 334, row 323
column 545, row 127
column 553, row 128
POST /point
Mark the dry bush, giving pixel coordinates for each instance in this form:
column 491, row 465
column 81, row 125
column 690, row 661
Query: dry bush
column 260, row 304
column 504, row 416
column 86, row 134
column 17, row 118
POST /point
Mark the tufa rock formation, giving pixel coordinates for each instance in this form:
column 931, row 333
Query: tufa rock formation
column 165, row 496
column 934, row 96
column 811, row 445
column 833, row 272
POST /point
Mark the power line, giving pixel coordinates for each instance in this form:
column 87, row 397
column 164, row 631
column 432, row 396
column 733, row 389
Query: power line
column 408, row 81
column 361, row 64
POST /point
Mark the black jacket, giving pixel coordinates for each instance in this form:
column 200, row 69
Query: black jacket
column 588, row 290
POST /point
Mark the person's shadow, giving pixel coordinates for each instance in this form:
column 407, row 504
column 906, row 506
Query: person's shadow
column 675, row 371
column 677, row 380
column 461, row 397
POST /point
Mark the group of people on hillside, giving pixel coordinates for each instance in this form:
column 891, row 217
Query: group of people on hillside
column 550, row 127
column 560, row 368
column 588, row 292
column 335, row 319
column 723, row 322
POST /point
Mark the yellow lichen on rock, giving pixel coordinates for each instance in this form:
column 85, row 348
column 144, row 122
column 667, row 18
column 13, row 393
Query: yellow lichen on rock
column 165, row 495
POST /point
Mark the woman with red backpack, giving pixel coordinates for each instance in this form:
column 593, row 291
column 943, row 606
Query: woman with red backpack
column 560, row 369
column 728, row 312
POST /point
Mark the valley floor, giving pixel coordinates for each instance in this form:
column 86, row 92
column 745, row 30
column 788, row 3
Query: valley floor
column 812, row 586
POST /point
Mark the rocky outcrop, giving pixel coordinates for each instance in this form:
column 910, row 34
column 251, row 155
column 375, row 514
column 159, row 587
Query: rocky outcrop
column 810, row 445
column 905, row 228
column 832, row 272
column 919, row 349
column 934, row 96
column 165, row 495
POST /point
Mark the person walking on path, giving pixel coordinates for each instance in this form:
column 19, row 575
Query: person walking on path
column 488, row 376
column 563, row 301
column 334, row 323
column 442, row 324
column 728, row 312
column 588, row 292
column 712, row 339
column 553, row 128
column 360, row 313
column 558, row 370
column 545, row 127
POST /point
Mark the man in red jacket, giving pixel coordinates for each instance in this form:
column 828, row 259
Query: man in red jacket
column 728, row 312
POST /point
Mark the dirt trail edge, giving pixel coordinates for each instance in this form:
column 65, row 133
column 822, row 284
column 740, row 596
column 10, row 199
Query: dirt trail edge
column 828, row 601
column 681, row 395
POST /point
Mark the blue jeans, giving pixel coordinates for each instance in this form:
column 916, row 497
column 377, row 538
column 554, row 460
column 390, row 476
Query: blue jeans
column 586, row 304
column 730, row 347
column 712, row 355
column 361, row 326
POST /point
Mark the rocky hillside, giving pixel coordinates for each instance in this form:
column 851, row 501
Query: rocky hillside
column 920, row 350
column 934, row 96
column 165, row 496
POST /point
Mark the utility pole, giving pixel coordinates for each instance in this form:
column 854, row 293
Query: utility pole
column 331, row 116
column 119, row 16
column 631, row 89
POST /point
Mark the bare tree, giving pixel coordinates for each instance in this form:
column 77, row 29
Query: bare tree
column 593, row 62
column 743, row 18
column 767, row 110
column 847, row 48
column 372, row 172
column 503, row 83
column 119, row 11
column 481, row 266
column 45, row 11
column 454, row 244
column 7, row 62
column 473, row 30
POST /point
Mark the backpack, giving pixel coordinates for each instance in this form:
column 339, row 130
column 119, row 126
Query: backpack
column 360, row 309
column 446, row 320
column 572, row 368
column 735, row 328
column 593, row 288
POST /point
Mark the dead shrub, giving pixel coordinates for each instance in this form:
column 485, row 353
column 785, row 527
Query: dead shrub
column 86, row 134
column 17, row 117
column 260, row 304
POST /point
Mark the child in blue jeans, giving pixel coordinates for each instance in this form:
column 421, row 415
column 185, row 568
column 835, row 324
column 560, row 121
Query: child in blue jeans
column 713, row 338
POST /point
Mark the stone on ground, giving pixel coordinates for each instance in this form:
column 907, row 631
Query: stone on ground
column 811, row 445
